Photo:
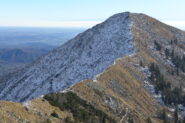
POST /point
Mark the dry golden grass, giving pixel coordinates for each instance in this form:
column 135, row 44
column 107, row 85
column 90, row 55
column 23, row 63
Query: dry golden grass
column 12, row 112
column 140, row 104
column 35, row 111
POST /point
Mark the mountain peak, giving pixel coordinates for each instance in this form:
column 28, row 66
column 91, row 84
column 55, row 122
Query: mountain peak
column 83, row 57
column 87, row 55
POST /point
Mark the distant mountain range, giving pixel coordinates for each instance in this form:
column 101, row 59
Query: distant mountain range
column 23, row 55
column 22, row 45
column 12, row 36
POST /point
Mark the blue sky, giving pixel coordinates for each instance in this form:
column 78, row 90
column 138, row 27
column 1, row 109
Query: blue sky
column 85, row 12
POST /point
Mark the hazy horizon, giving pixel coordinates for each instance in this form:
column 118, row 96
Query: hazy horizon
column 84, row 14
column 19, row 36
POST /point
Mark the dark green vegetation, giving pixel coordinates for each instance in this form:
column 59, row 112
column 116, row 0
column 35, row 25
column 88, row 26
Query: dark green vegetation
column 163, row 116
column 169, row 94
column 98, row 92
column 158, row 46
column 148, row 120
column 179, row 62
column 54, row 114
column 176, row 119
column 81, row 110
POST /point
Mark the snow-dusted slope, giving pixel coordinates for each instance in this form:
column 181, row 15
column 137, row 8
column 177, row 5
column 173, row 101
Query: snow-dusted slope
column 81, row 58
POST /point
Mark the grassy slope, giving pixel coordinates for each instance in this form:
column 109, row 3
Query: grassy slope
column 116, row 92
column 118, row 86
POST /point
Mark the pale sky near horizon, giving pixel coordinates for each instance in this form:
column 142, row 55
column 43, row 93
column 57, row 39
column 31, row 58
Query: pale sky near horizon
column 85, row 13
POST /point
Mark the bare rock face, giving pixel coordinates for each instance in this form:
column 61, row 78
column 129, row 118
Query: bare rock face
column 81, row 58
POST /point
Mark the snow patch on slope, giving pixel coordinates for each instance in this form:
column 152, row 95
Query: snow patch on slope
column 83, row 57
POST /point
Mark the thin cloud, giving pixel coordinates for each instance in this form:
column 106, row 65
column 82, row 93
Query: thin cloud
column 178, row 24
column 73, row 24
column 77, row 24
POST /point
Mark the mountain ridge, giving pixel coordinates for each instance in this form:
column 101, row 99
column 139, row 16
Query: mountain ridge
column 88, row 54
column 78, row 46
column 140, row 84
